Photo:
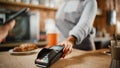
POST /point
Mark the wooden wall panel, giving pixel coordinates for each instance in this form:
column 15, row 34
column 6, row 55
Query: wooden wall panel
column 101, row 20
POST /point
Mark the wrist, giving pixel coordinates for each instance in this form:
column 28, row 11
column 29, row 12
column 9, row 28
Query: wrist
column 71, row 39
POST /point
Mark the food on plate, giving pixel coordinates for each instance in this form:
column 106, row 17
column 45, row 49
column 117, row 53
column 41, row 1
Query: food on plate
column 25, row 47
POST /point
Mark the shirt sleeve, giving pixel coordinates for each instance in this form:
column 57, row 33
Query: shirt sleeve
column 83, row 27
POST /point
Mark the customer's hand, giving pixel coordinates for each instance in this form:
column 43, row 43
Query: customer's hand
column 68, row 45
column 5, row 28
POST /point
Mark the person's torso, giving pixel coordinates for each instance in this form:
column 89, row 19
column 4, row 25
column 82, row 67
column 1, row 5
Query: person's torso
column 68, row 15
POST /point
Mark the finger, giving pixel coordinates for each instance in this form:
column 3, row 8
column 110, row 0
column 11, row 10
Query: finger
column 66, row 48
column 69, row 49
column 64, row 54
column 62, row 44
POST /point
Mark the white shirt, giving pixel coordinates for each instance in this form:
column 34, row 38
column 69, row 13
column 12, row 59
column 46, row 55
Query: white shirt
column 75, row 17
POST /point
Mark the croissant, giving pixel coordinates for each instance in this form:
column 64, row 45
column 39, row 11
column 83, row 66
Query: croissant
column 25, row 47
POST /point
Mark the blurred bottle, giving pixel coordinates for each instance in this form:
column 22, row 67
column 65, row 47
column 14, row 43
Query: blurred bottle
column 52, row 33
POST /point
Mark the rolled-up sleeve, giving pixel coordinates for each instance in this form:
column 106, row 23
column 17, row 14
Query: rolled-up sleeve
column 85, row 23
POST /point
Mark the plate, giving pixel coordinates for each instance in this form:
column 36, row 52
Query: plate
column 22, row 53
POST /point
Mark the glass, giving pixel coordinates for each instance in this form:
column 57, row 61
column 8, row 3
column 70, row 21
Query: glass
column 113, row 43
column 52, row 39
column 52, row 34
column 115, row 54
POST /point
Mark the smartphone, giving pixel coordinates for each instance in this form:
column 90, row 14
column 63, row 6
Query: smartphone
column 14, row 16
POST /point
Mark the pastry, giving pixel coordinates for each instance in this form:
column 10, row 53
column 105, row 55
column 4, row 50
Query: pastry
column 25, row 47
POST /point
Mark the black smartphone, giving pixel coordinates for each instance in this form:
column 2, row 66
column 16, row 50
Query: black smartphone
column 14, row 16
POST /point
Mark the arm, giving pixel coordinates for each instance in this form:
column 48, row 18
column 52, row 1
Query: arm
column 5, row 28
column 85, row 23
column 83, row 27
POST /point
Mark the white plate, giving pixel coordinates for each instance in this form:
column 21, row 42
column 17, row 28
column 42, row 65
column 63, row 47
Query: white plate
column 22, row 53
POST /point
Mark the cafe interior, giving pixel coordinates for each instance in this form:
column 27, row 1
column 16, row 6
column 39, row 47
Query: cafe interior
column 33, row 41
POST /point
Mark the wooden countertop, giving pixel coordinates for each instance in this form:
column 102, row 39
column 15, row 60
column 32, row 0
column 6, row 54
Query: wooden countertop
column 77, row 59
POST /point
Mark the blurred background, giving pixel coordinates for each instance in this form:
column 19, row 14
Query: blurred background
column 107, row 21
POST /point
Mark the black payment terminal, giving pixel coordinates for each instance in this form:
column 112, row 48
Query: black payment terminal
column 48, row 56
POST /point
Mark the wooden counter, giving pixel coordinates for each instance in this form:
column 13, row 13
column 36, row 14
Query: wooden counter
column 77, row 59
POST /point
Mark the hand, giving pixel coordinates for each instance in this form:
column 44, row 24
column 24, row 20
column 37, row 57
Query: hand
column 68, row 45
column 5, row 28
